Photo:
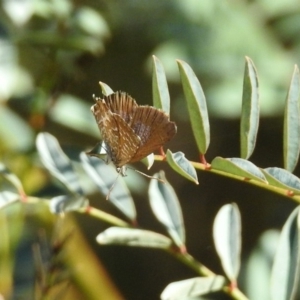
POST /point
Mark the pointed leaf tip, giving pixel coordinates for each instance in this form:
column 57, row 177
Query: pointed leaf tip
column 250, row 110
column 227, row 238
column 106, row 90
column 291, row 132
column 160, row 91
column 196, row 103
column 166, row 207
column 181, row 165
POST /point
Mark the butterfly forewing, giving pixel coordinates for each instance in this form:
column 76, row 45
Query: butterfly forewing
column 121, row 104
column 120, row 140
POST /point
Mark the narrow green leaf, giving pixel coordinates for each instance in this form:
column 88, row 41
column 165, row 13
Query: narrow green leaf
column 133, row 237
column 106, row 90
column 250, row 110
column 238, row 166
column 227, row 239
column 105, row 176
column 286, row 268
column 283, row 179
column 160, row 91
column 258, row 267
column 181, row 165
column 193, row 288
column 57, row 163
column 65, row 203
column 291, row 133
column 196, row 103
column 166, row 207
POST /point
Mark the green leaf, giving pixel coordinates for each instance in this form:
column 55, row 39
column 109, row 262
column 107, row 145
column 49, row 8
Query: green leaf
column 239, row 167
column 12, row 178
column 181, row 165
column 161, row 96
column 106, row 90
column 285, row 274
column 133, row 237
column 291, row 133
column 250, row 110
column 78, row 118
column 193, row 287
column 166, row 207
column 15, row 133
column 196, row 105
column 258, row 267
column 106, row 177
column 227, row 239
column 90, row 21
column 283, row 179
column 8, row 197
column 148, row 161
column 65, row 203
column 57, row 163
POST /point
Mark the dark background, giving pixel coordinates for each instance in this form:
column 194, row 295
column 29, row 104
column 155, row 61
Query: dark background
column 52, row 59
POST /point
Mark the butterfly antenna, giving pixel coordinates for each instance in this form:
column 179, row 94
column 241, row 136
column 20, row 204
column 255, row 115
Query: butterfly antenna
column 148, row 176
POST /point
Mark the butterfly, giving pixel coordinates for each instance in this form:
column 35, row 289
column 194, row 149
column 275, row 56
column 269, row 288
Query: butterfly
column 130, row 131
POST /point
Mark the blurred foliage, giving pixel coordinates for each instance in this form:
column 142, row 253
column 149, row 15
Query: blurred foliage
column 54, row 52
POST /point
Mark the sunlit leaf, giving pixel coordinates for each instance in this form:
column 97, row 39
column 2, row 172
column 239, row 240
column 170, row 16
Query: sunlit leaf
column 291, row 133
column 181, row 165
column 282, row 178
column 250, row 110
column 193, row 288
column 15, row 133
column 65, row 203
column 239, row 167
column 286, row 268
column 160, row 91
column 227, row 238
column 8, row 197
column 196, row 103
column 106, row 90
column 133, row 237
column 105, row 176
column 78, row 118
column 12, row 178
column 166, row 207
column 259, row 266
column 57, row 163
column 148, row 160
column 92, row 22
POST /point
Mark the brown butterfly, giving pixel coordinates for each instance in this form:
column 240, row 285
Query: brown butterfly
column 130, row 131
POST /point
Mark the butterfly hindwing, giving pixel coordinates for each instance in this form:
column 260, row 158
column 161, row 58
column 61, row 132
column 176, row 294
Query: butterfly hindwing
column 154, row 129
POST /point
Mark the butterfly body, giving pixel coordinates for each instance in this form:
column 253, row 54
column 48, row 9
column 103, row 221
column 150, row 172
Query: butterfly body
column 130, row 132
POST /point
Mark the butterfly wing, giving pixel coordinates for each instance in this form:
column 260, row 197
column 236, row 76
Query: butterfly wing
column 154, row 129
column 121, row 104
column 121, row 141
